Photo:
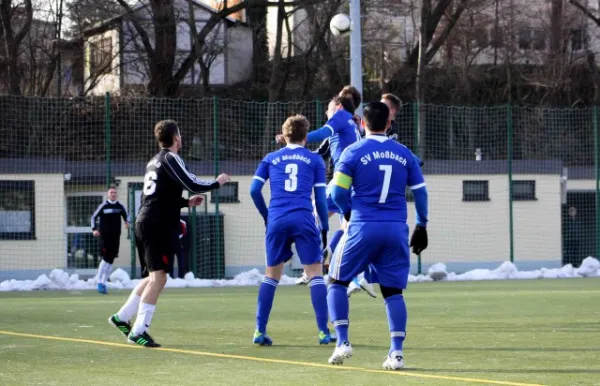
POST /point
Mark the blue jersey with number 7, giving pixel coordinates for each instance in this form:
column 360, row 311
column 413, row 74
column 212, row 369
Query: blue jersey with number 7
column 293, row 172
column 379, row 170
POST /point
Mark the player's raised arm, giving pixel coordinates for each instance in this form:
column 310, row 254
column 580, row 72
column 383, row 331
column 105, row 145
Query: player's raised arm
column 416, row 183
column 176, row 168
column 320, row 196
column 342, row 180
column 260, row 177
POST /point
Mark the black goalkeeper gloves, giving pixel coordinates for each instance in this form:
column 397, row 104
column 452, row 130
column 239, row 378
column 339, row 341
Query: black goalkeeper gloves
column 418, row 240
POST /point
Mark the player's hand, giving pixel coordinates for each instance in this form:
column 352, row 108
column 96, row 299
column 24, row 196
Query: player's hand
column 418, row 240
column 223, row 179
column 126, row 225
column 279, row 138
column 96, row 234
column 195, row 201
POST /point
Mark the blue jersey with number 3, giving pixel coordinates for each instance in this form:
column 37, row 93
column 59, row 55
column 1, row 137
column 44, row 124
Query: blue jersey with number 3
column 293, row 173
column 380, row 170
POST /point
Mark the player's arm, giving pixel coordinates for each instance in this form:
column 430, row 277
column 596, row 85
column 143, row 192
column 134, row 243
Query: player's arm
column 124, row 213
column 322, row 133
column 260, row 177
column 416, row 183
column 96, row 215
column 176, row 169
column 320, row 196
column 342, row 180
column 323, row 149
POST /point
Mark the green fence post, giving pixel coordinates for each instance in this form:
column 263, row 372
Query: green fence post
column 107, row 135
column 509, row 133
column 215, row 193
column 597, row 170
column 416, row 151
column 132, row 232
column 194, row 247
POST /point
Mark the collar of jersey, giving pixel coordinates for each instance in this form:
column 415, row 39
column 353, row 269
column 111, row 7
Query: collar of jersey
column 293, row 146
column 378, row 137
column 112, row 202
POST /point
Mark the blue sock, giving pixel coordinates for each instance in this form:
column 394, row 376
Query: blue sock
column 396, row 313
column 266, row 294
column 318, row 295
column 335, row 239
column 337, row 300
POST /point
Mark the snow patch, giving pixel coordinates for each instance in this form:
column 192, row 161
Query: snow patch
column 119, row 279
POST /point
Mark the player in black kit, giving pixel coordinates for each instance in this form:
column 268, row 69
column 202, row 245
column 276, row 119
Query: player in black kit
column 157, row 228
column 106, row 225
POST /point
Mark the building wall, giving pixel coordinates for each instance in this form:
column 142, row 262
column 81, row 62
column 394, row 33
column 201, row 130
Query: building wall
column 460, row 232
column 48, row 250
column 109, row 82
column 240, row 50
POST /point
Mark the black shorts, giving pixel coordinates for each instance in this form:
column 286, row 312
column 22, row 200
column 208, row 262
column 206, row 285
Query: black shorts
column 155, row 245
column 109, row 247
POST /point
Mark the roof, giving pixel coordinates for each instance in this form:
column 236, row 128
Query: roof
column 108, row 24
column 91, row 170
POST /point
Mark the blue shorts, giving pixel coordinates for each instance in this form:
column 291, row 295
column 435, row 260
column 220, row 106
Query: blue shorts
column 300, row 228
column 379, row 249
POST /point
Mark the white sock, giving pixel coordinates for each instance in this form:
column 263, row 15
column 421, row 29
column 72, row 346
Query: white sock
column 100, row 275
column 144, row 317
column 130, row 307
column 107, row 272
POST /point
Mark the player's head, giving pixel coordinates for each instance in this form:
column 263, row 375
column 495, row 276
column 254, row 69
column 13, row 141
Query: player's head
column 376, row 118
column 340, row 102
column 112, row 193
column 295, row 129
column 167, row 135
column 393, row 103
column 353, row 93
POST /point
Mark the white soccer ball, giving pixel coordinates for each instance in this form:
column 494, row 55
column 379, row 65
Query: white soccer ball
column 340, row 25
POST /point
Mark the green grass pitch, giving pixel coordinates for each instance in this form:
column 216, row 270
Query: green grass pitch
column 529, row 332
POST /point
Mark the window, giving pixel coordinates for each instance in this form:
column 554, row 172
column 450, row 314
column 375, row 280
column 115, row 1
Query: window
column 228, row 193
column 17, row 210
column 83, row 250
column 101, row 56
column 539, row 39
column 524, row 38
column 523, row 190
column 480, row 37
column 578, row 39
column 476, row 191
column 496, row 38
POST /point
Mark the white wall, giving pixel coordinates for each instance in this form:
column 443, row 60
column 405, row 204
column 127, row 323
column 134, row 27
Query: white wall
column 49, row 249
column 240, row 49
column 107, row 82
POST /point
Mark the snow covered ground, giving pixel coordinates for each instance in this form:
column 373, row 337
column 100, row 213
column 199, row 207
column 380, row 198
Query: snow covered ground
column 60, row 280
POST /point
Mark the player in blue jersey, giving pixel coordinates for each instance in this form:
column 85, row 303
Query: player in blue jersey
column 378, row 170
column 294, row 172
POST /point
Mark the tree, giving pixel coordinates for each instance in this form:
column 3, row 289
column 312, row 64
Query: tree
column 16, row 23
column 165, row 76
column 86, row 13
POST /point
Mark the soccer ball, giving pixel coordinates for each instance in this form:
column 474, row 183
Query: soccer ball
column 340, row 25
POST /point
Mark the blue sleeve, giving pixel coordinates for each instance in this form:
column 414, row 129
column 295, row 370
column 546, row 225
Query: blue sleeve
column 260, row 177
column 339, row 196
column 421, row 204
column 257, row 197
column 415, row 178
column 320, row 134
column 320, row 195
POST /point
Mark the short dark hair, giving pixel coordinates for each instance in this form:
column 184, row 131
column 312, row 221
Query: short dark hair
column 393, row 99
column 353, row 93
column 295, row 128
column 165, row 131
column 112, row 186
column 346, row 102
column 376, row 116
